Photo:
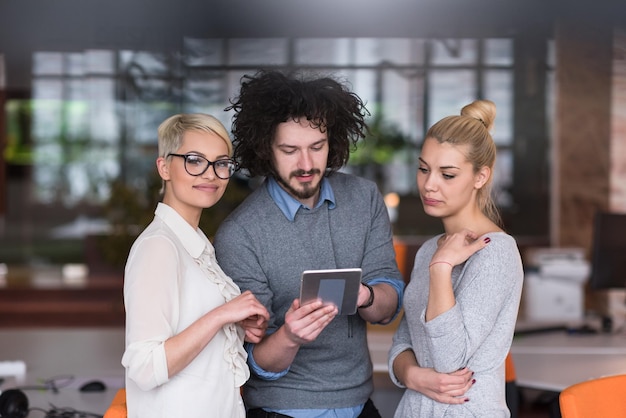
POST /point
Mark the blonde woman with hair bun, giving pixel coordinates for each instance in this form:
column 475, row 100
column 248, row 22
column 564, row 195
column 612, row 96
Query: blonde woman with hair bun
column 463, row 298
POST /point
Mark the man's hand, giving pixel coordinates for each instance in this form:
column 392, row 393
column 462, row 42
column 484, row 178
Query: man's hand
column 304, row 323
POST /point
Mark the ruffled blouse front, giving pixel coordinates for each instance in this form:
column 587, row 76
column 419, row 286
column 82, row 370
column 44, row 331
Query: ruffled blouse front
column 234, row 353
column 171, row 280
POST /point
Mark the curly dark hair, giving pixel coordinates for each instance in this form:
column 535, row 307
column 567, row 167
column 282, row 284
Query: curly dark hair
column 269, row 98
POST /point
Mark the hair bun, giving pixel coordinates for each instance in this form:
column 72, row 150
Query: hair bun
column 481, row 110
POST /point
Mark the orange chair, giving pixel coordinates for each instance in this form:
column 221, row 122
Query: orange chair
column 117, row 409
column 509, row 369
column 512, row 392
column 602, row 397
column 401, row 255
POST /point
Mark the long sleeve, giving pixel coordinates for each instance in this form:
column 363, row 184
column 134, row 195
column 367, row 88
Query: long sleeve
column 401, row 342
column 487, row 301
column 151, row 300
column 476, row 332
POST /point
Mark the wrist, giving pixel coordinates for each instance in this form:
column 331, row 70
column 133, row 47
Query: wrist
column 285, row 338
column 440, row 263
column 370, row 301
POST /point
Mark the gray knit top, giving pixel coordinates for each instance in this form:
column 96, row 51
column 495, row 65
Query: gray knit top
column 262, row 250
column 476, row 333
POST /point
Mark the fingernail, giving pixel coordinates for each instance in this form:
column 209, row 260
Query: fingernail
column 473, row 381
column 487, row 240
column 466, row 399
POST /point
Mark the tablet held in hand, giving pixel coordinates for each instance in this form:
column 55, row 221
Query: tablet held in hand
column 339, row 287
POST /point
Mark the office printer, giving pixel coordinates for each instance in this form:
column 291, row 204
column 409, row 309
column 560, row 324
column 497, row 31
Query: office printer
column 554, row 282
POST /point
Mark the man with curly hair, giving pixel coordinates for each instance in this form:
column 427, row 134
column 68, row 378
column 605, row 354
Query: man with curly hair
column 298, row 132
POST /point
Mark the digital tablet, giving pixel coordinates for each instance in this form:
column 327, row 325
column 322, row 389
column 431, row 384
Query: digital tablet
column 337, row 286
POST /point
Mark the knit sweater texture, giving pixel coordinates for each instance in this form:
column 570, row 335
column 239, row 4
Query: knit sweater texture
column 476, row 333
column 261, row 250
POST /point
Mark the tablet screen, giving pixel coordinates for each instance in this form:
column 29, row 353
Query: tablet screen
column 337, row 286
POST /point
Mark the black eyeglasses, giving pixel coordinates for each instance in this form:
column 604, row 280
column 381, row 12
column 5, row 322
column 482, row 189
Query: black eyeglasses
column 197, row 165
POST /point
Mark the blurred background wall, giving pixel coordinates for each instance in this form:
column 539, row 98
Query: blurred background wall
column 84, row 84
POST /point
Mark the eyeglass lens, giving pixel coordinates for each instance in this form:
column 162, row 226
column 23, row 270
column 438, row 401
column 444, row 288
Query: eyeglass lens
column 197, row 165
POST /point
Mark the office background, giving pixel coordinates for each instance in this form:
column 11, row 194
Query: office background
column 84, row 85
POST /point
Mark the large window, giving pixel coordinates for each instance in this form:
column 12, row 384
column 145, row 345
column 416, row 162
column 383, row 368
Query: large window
column 90, row 120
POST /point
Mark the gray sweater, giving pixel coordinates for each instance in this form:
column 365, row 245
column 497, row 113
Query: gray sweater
column 261, row 250
column 476, row 333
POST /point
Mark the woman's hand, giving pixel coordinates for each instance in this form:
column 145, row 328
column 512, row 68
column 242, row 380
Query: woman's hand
column 441, row 387
column 447, row 388
column 456, row 248
column 182, row 348
column 249, row 313
column 255, row 327
column 452, row 249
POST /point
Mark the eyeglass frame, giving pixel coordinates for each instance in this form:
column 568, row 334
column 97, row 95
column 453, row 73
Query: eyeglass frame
column 210, row 163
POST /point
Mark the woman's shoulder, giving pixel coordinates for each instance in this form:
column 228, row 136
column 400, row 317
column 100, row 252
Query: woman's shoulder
column 502, row 248
column 501, row 239
column 156, row 235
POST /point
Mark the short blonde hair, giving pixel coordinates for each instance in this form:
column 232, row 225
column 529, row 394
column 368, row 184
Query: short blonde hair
column 172, row 130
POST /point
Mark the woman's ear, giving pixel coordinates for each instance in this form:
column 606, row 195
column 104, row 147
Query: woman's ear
column 163, row 168
column 482, row 176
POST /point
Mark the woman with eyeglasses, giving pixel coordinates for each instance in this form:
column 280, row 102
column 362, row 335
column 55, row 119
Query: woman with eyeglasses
column 186, row 321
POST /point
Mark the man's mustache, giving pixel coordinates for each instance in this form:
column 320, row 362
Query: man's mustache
column 299, row 173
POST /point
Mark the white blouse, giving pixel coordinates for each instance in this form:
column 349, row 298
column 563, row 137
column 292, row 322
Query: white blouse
column 171, row 279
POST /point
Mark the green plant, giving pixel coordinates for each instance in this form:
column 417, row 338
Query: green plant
column 383, row 142
column 379, row 146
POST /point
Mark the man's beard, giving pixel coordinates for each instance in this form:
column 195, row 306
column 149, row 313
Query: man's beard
column 307, row 190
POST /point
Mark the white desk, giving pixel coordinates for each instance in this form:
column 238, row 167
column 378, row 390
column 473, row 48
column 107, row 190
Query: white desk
column 550, row 361
column 95, row 353
column 546, row 361
column 84, row 353
column 553, row 361
column 89, row 353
